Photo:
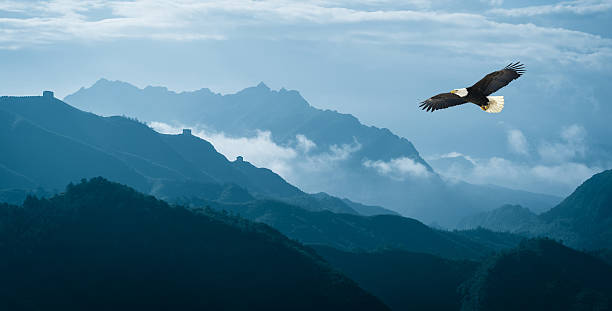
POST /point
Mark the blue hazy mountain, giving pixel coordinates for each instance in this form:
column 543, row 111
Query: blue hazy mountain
column 421, row 193
column 507, row 218
column 366, row 210
column 285, row 113
column 104, row 246
column 583, row 220
column 47, row 143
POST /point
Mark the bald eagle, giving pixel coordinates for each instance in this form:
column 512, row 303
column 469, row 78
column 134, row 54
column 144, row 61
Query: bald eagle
column 479, row 92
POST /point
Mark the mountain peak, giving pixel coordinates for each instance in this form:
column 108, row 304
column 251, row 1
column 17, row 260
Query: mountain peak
column 102, row 80
column 262, row 85
column 105, row 83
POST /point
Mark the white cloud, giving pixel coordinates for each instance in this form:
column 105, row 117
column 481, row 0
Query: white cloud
column 580, row 7
column 304, row 144
column 573, row 134
column 571, row 147
column 493, row 2
column 571, row 174
column 293, row 162
column 381, row 4
column 558, row 170
column 452, row 155
column 517, row 142
column 323, row 162
column 558, row 179
column 399, row 168
column 260, row 149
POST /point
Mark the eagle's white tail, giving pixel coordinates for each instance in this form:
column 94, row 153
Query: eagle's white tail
column 496, row 104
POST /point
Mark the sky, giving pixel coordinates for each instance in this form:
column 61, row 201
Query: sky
column 375, row 59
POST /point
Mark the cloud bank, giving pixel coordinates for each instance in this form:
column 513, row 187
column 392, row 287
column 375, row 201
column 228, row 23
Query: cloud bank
column 292, row 162
column 399, row 168
column 517, row 142
column 418, row 23
column 581, row 7
column 558, row 167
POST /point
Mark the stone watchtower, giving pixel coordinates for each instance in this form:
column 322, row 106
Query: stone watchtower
column 239, row 159
column 187, row 132
column 48, row 94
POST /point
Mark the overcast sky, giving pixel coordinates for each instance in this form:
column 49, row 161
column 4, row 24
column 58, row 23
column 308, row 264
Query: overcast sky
column 375, row 59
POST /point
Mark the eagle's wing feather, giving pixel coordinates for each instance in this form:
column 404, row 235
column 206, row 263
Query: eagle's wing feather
column 498, row 79
column 442, row 101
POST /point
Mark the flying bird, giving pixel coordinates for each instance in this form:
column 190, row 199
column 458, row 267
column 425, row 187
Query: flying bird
column 479, row 92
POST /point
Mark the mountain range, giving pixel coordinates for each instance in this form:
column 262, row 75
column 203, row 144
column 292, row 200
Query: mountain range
column 333, row 152
column 582, row 220
column 232, row 230
column 100, row 245
column 49, row 143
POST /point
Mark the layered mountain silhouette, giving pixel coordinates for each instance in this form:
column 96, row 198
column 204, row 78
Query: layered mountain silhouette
column 234, row 238
column 104, row 246
column 354, row 232
column 583, row 220
column 375, row 167
column 51, row 143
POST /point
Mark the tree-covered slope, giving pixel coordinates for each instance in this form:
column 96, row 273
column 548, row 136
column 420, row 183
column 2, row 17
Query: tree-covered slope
column 354, row 232
column 540, row 274
column 104, row 246
column 404, row 280
column 584, row 219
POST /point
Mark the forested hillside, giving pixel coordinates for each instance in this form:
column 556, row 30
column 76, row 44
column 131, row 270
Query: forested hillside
column 104, row 246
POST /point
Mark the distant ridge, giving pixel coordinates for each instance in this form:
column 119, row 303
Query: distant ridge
column 48, row 143
column 366, row 174
column 583, row 220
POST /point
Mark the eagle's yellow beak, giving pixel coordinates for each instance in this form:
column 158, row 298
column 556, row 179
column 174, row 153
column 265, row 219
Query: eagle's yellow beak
column 452, row 92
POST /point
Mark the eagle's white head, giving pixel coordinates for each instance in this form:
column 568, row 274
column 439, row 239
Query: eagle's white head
column 461, row 92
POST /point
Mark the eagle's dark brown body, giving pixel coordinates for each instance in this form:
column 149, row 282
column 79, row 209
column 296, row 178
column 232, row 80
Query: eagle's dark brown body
column 476, row 96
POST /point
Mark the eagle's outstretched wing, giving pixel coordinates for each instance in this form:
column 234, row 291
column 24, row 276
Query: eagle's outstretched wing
column 498, row 79
column 442, row 101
